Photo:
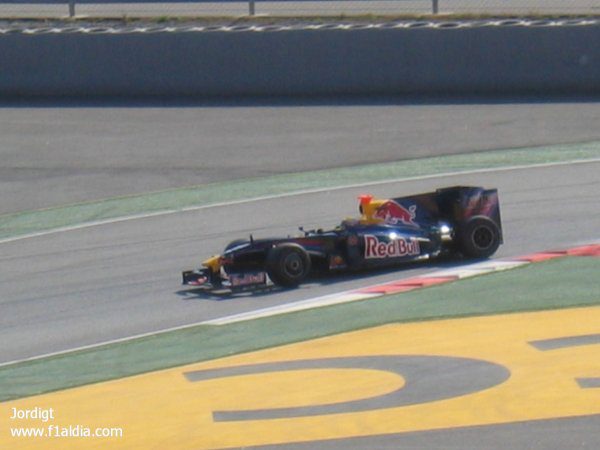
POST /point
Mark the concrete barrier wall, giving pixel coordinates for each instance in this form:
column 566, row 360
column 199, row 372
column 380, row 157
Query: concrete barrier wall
column 487, row 60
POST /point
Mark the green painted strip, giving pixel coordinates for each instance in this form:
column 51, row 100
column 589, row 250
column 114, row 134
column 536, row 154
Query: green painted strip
column 560, row 283
column 29, row 222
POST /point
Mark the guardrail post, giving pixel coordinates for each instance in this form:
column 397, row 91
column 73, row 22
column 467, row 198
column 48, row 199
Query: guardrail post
column 251, row 7
column 435, row 6
column 71, row 8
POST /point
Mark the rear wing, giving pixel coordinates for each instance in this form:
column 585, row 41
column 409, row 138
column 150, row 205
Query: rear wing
column 455, row 204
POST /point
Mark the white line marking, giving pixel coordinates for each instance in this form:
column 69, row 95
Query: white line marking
column 291, row 194
column 317, row 302
column 100, row 344
column 330, row 299
column 497, row 265
column 355, row 294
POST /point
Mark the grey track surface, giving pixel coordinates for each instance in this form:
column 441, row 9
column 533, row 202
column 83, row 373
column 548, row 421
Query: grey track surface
column 77, row 288
column 57, row 155
column 112, row 281
column 557, row 434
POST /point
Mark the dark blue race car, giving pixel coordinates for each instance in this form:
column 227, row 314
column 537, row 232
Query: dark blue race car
column 463, row 221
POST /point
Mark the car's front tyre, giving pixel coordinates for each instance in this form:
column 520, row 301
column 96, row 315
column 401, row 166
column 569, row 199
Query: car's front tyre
column 288, row 264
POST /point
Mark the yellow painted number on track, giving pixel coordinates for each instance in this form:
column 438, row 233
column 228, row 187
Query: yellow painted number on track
column 389, row 379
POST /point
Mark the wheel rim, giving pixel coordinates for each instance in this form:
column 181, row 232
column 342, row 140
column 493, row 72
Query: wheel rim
column 483, row 237
column 293, row 265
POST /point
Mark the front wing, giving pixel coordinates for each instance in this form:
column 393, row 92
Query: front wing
column 198, row 277
column 207, row 279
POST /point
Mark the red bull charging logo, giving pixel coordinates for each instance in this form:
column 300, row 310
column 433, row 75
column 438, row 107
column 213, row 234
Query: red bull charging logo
column 395, row 214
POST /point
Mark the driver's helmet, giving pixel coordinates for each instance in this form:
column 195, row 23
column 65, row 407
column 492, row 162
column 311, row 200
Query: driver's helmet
column 368, row 208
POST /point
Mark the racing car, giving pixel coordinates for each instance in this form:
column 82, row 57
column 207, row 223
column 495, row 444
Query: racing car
column 462, row 221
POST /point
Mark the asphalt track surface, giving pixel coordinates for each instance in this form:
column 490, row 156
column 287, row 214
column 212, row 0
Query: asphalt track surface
column 112, row 281
column 91, row 285
column 53, row 155
column 557, row 434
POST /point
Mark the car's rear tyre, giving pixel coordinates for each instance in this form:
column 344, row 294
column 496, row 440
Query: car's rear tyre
column 479, row 237
column 288, row 264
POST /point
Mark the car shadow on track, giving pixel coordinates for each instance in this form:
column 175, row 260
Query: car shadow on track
column 200, row 293
column 369, row 277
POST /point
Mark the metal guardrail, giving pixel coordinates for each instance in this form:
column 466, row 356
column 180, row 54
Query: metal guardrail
column 72, row 4
column 167, row 8
column 251, row 4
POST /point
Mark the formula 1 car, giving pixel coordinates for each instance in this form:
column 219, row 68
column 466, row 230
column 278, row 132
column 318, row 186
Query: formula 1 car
column 462, row 221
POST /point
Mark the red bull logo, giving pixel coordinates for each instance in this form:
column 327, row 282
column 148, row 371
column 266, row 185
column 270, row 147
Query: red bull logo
column 395, row 214
column 247, row 279
column 374, row 248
